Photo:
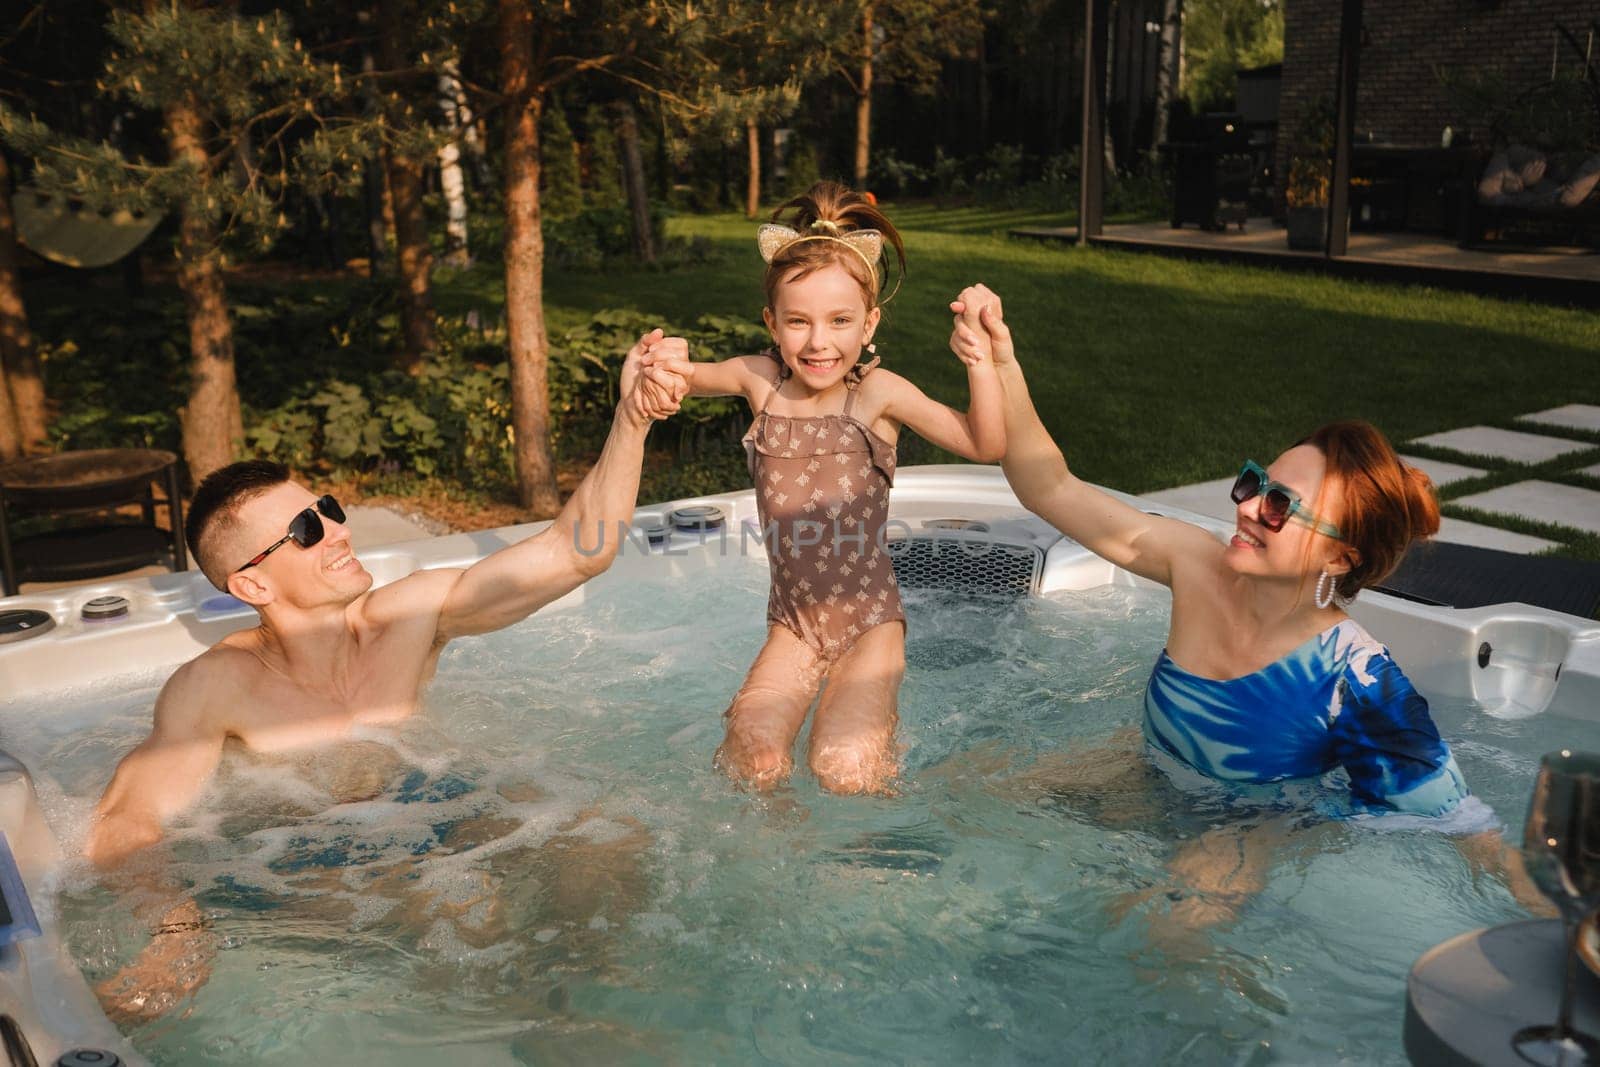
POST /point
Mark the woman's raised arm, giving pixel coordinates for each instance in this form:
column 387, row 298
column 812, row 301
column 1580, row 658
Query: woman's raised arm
column 1139, row 542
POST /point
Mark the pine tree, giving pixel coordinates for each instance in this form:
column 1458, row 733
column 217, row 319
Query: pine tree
column 545, row 44
column 22, row 425
column 232, row 96
column 605, row 165
column 755, row 60
column 905, row 42
column 562, row 193
column 407, row 149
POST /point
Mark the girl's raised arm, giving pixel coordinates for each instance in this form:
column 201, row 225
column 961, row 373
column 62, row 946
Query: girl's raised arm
column 744, row 376
column 979, row 434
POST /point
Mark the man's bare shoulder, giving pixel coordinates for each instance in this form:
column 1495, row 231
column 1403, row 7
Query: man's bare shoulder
column 420, row 595
column 195, row 697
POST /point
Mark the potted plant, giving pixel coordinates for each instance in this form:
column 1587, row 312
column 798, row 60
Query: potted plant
column 1306, row 198
column 1305, row 193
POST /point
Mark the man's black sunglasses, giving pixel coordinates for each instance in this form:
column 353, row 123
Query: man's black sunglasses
column 305, row 529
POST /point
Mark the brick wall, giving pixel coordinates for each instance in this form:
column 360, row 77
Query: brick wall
column 1400, row 99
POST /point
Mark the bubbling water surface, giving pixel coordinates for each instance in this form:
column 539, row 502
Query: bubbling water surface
column 544, row 867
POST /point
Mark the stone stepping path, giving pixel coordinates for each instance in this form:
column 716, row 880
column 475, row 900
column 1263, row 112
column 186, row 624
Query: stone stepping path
column 1572, row 416
column 1510, row 445
column 1441, row 472
column 1564, row 505
column 1204, row 498
column 1461, row 532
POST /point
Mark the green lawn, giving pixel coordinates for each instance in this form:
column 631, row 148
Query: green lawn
column 1151, row 372
column 1155, row 372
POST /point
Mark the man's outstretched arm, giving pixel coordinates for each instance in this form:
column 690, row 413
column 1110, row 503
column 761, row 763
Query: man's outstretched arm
column 514, row 582
column 162, row 775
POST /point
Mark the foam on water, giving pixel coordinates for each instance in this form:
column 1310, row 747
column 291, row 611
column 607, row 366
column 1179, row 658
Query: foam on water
column 544, row 865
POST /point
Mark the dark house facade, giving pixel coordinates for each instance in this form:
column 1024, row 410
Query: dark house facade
column 1411, row 47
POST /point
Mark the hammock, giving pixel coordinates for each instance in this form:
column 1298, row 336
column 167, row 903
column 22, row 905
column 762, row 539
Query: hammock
column 52, row 227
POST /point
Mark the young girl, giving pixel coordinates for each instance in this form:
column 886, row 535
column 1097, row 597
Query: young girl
column 822, row 456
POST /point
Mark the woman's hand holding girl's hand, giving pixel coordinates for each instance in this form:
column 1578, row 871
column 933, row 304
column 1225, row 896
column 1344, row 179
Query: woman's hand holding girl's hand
column 978, row 309
column 971, row 347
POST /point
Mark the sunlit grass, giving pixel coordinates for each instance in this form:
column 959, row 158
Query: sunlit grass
column 1155, row 372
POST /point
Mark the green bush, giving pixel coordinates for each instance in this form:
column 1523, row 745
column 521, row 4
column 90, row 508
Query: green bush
column 1001, row 176
column 597, row 234
column 949, row 175
column 452, row 419
column 320, row 393
column 894, row 177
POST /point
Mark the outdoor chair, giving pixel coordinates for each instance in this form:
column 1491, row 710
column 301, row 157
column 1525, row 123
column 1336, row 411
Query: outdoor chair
column 1548, row 199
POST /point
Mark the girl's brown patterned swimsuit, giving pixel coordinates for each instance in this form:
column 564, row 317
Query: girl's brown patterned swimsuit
column 822, row 492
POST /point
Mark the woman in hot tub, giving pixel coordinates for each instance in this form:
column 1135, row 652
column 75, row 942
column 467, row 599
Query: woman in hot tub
column 1264, row 677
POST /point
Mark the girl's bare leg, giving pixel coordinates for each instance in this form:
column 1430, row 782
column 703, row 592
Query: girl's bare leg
column 852, row 738
column 766, row 715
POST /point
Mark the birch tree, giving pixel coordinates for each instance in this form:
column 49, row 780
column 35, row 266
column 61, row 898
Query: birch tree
column 459, row 131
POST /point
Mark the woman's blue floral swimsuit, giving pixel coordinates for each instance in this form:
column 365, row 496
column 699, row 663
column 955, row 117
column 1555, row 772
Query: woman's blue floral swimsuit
column 1337, row 700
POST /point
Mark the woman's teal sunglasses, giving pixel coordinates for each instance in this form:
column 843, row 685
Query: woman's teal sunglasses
column 1279, row 503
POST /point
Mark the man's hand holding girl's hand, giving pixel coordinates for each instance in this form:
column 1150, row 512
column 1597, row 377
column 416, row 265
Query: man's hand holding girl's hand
column 653, row 382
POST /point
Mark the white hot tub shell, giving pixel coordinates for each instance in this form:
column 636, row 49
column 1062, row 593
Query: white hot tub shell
column 1512, row 660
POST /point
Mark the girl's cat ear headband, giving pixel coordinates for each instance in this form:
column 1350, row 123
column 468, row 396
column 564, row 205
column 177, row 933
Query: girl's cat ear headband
column 773, row 238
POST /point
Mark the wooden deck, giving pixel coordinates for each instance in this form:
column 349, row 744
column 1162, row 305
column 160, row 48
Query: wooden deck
column 1548, row 275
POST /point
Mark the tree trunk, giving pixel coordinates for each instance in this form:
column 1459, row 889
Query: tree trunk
column 465, row 122
column 468, row 123
column 415, row 255
column 864, row 102
column 984, row 100
column 413, row 250
column 22, row 425
column 452, row 182
column 524, row 257
column 1168, row 70
column 373, row 185
column 10, row 433
column 212, row 423
column 663, row 160
column 644, row 238
column 752, row 183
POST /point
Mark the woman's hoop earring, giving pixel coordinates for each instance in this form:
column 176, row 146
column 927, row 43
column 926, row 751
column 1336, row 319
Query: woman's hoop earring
column 1321, row 599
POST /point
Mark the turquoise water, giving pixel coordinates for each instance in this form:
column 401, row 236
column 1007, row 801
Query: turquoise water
column 544, row 868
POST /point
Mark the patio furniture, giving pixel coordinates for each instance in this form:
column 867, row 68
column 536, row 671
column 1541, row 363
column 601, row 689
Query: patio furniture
column 1554, row 200
column 1408, row 187
column 86, row 488
column 1211, row 173
column 1467, row 998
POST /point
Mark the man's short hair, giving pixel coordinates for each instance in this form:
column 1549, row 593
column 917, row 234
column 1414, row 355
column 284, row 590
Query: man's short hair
column 215, row 508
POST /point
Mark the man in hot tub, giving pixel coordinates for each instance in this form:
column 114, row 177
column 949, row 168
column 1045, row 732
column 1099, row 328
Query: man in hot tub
column 331, row 654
